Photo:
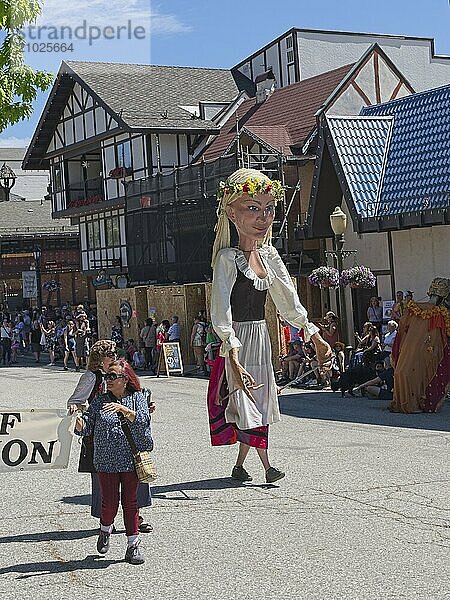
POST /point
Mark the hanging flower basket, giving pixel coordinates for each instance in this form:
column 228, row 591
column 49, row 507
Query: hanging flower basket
column 324, row 277
column 358, row 277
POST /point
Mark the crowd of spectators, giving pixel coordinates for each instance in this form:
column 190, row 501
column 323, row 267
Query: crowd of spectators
column 145, row 352
column 64, row 332
column 366, row 365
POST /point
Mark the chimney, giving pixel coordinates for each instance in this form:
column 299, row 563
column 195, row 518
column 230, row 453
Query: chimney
column 265, row 85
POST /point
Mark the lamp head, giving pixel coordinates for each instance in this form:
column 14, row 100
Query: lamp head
column 7, row 178
column 338, row 221
column 37, row 253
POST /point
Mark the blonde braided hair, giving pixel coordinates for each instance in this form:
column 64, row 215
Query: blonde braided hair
column 222, row 228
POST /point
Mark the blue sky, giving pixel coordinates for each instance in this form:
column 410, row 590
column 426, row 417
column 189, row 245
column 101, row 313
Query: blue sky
column 208, row 33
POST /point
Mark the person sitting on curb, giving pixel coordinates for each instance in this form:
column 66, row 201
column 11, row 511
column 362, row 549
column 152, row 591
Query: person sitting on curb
column 309, row 362
column 291, row 362
column 381, row 386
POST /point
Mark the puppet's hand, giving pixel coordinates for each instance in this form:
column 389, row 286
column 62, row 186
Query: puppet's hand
column 242, row 378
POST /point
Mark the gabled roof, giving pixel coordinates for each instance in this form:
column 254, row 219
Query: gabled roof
column 138, row 97
column 361, row 145
column 275, row 137
column 417, row 174
column 292, row 108
column 392, row 164
column 141, row 94
column 12, row 154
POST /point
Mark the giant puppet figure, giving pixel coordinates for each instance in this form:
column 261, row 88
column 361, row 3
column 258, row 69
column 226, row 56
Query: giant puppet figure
column 421, row 352
column 242, row 277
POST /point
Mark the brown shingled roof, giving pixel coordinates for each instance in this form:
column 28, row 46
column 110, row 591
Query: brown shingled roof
column 285, row 119
column 275, row 136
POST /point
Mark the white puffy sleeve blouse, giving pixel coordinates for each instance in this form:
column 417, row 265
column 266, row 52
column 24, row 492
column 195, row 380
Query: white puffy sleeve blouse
column 278, row 283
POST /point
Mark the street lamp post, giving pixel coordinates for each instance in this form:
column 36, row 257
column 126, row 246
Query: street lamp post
column 7, row 180
column 37, row 253
column 338, row 221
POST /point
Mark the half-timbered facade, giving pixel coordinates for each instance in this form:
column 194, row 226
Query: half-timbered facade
column 106, row 125
column 283, row 126
column 299, row 54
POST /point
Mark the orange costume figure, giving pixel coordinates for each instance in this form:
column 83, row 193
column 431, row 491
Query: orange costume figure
column 421, row 353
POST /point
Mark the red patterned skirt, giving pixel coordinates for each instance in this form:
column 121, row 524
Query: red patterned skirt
column 221, row 432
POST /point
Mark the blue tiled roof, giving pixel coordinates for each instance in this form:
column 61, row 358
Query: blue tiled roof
column 396, row 156
column 417, row 173
column 361, row 144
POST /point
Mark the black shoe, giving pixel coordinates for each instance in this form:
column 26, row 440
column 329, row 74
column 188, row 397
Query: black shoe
column 133, row 555
column 240, row 474
column 103, row 542
column 273, row 475
column 144, row 527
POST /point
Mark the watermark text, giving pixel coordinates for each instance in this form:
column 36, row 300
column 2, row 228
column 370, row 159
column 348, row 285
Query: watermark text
column 64, row 35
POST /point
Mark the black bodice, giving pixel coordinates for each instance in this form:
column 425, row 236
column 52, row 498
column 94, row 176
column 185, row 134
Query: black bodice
column 247, row 303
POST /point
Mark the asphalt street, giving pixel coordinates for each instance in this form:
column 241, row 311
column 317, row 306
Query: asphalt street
column 362, row 513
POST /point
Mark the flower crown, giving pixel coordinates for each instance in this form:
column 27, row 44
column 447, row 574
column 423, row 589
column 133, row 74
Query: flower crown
column 252, row 187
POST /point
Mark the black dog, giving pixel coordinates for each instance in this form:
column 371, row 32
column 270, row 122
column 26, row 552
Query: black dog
column 355, row 376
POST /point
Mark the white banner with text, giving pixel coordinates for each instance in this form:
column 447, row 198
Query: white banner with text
column 34, row 439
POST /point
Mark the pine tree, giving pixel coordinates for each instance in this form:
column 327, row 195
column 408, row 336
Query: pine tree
column 19, row 83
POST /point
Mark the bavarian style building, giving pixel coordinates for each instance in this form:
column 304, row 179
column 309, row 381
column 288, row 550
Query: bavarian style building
column 107, row 125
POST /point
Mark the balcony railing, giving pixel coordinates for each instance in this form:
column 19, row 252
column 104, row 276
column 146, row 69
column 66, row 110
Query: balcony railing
column 86, row 192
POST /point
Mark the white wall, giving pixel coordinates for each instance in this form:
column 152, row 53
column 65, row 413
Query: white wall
column 31, row 185
column 320, row 52
column 419, row 256
column 173, row 151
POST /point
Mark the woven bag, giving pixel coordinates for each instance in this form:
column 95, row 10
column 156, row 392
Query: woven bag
column 144, row 467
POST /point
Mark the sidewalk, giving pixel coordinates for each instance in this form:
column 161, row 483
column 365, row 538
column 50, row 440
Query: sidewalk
column 361, row 514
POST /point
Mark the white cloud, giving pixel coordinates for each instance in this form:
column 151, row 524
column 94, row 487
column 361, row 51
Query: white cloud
column 102, row 13
column 14, row 142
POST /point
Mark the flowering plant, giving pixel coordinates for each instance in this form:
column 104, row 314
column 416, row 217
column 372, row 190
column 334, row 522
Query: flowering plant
column 359, row 276
column 324, row 277
column 117, row 173
column 252, row 187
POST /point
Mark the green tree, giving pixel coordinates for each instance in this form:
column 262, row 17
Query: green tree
column 19, row 83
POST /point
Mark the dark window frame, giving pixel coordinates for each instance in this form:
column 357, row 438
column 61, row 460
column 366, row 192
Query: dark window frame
column 124, row 160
